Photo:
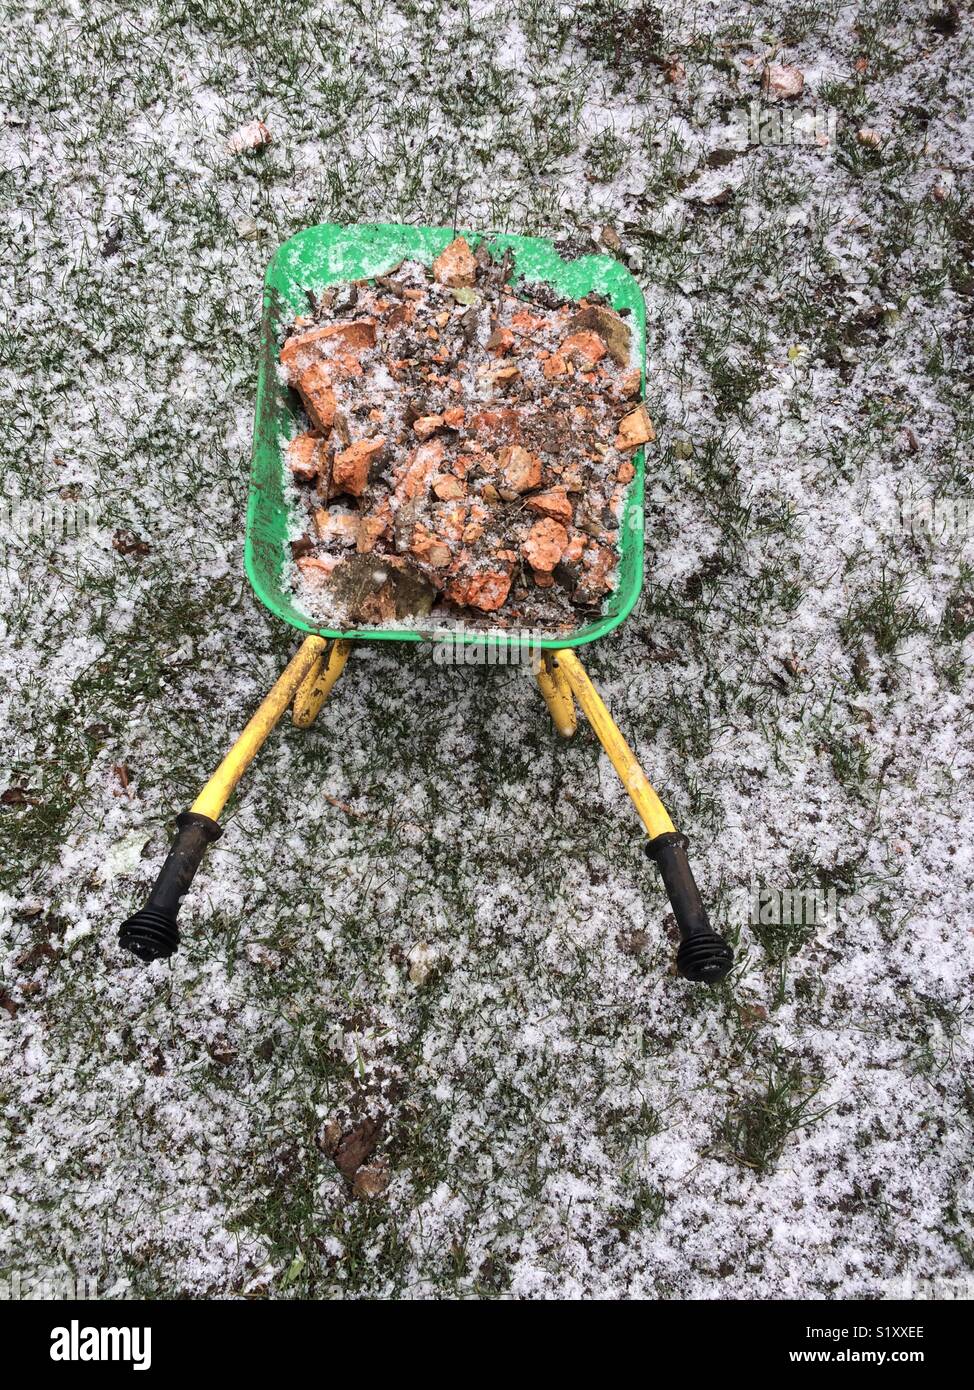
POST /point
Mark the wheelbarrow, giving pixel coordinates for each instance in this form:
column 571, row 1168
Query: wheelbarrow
column 312, row 260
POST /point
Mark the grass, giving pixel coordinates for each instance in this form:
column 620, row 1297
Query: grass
column 796, row 679
column 759, row 1124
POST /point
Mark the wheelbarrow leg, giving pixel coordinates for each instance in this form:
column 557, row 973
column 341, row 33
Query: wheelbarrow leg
column 703, row 954
column 314, row 690
column 557, row 695
column 152, row 931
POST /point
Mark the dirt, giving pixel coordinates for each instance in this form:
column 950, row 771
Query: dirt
column 473, row 438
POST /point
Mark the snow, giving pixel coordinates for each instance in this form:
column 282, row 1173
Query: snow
column 556, row 1102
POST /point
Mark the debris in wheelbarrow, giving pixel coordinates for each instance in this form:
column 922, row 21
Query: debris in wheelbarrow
column 469, row 428
column 391, row 610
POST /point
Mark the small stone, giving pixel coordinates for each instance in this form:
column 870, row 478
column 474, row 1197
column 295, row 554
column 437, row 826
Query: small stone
column 782, row 82
column 374, row 589
column 371, row 1181
column 422, row 959
column 252, row 136
column 357, row 1146
column 329, row 1137
column 870, row 139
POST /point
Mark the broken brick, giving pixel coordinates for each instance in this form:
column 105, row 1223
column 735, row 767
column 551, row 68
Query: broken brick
column 611, row 329
column 337, row 527
column 502, row 423
column 545, row 544
column 302, row 349
column 316, row 568
column 427, row 425
column 574, row 549
column 350, row 470
column 585, row 348
column 448, row 488
column 526, row 322
column 456, row 266
column 635, row 429
column 782, row 81
column 599, row 562
column 554, row 503
column 631, row 384
column 423, row 463
column 501, row 341
column 429, row 548
column 315, row 390
column 248, row 138
column 486, row 589
column 521, row 469
column 305, row 455
column 555, row 365
column 373, row 528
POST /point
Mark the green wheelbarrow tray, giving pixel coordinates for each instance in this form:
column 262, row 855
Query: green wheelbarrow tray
column 330, row 254
column 312, row 260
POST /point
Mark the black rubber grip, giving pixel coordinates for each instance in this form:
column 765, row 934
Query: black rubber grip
column 152, row 932
column 703, row 954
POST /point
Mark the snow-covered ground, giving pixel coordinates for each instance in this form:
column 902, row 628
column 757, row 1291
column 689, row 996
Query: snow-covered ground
column 561, row 1116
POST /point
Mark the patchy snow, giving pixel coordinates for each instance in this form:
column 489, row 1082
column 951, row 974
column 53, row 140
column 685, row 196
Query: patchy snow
column 563, row 1117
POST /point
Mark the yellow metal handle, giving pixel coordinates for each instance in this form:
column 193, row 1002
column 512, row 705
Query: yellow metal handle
column 218, row 789
column 651, row 810
column 703, row 955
